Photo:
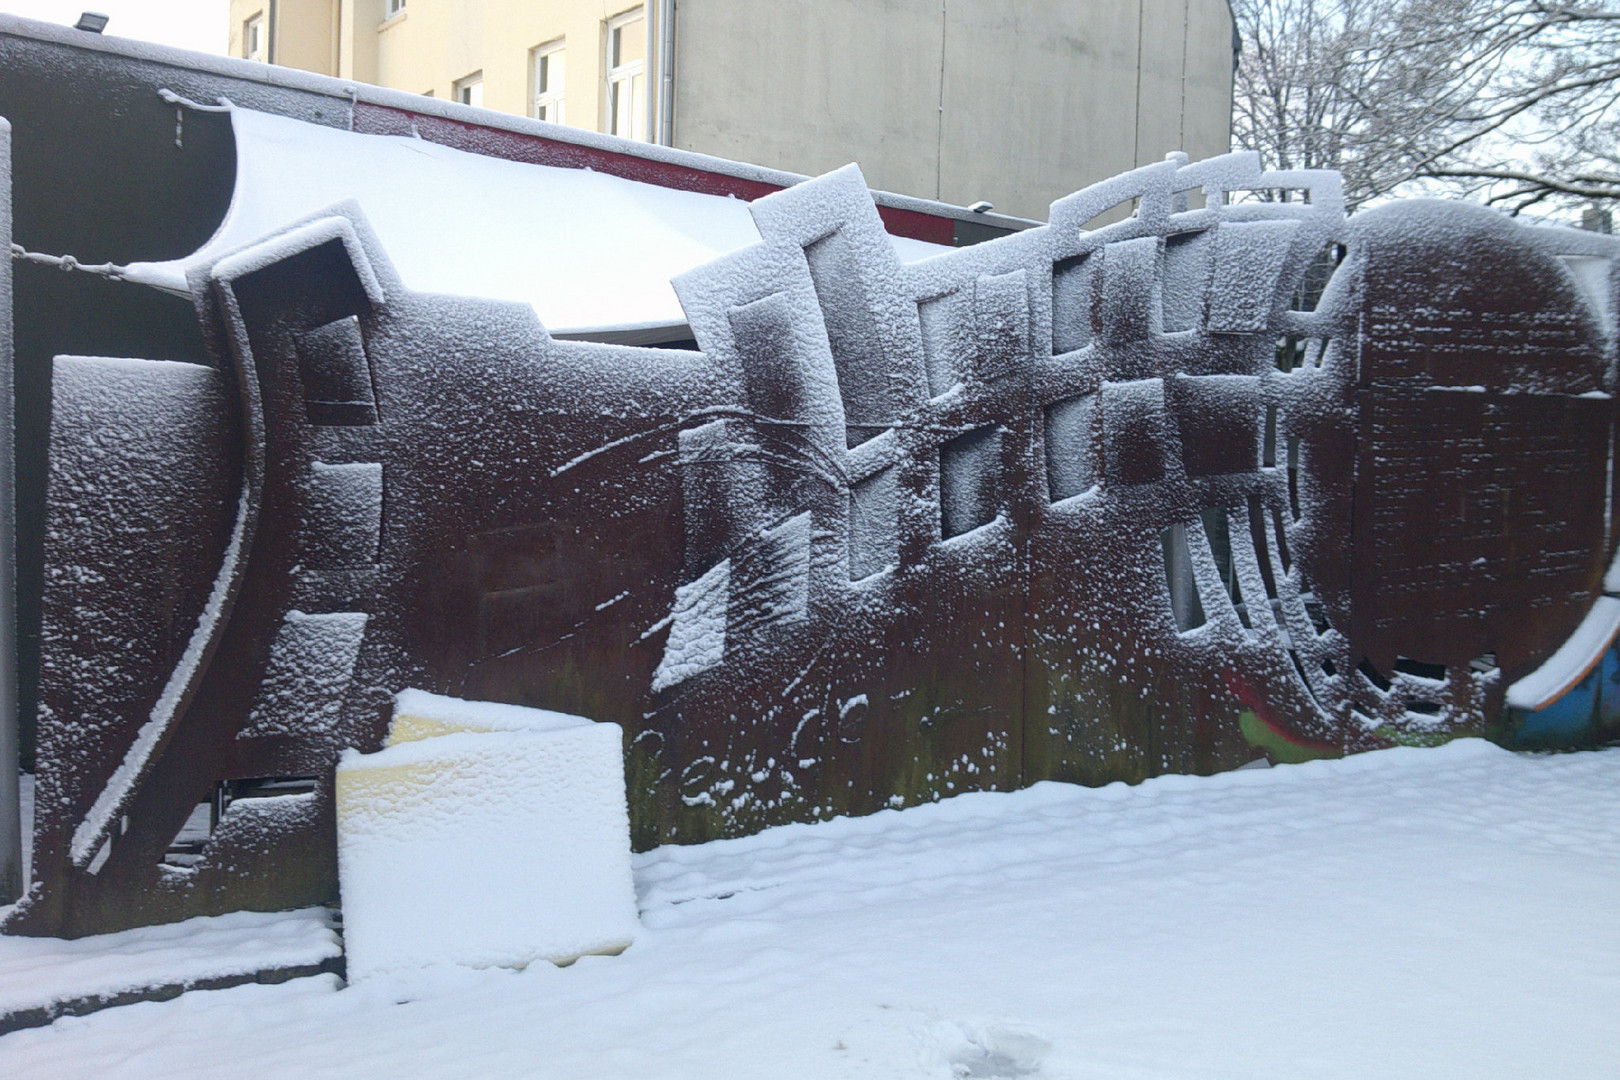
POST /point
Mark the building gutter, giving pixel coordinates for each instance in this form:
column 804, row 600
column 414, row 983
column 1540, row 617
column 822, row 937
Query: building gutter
column 665, row 129
column 11, row 866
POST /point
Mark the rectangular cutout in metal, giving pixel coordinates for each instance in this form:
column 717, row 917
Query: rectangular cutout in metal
column 1071, row 304
column 336, row 374
column 874, row 523
column 969, row 481
column 1070, row 466
column 1185, row 605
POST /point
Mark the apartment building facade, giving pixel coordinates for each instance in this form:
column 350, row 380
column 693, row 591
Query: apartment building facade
column 1013, row 102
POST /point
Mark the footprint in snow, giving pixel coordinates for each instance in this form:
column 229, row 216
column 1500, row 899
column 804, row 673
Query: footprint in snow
column 990, row 1051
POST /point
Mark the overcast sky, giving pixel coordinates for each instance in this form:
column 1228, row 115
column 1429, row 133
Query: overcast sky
column 188, row 24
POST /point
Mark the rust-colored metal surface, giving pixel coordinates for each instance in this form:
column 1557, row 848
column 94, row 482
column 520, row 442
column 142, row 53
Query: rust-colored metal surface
column 1083, row 505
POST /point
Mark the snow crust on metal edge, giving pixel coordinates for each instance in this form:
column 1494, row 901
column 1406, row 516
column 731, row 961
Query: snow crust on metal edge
column 124, row 778
column 1573, row 660
column 590, row 252
column 300, row 239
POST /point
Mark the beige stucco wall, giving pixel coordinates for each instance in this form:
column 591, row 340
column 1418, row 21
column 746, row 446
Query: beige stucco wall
column 1018, row 102
column 241, row 12
column 434, row 43
column 1032, row 99
column 314, row 46
column 302, row 36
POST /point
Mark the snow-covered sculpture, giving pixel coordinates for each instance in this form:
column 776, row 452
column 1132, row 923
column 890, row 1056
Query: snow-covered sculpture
column 1082, row 504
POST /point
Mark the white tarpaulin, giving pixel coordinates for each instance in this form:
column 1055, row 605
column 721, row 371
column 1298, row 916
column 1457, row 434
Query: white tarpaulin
column 587, row 250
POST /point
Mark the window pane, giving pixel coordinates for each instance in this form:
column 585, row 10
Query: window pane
column 630, row 42
column 550, row 78
column 637, row 127
column 253, row 38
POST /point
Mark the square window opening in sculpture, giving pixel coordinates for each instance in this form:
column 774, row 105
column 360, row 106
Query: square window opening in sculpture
column 1186, row 606
column 1070, row 438
column 1419, row 669
column 1185, row 280
column 1290, row 352
column 186, row 848
column 189, row 844
column 1373, row 675
column 1293, row 479
column 937, row 317
column 1073, row 298
column 1123, row 210
column 969, row 481
column 1262, row 553
column 1218, row 532
column 1314, row 279
column 874, row 523
column 1281, row 533
column 336, row 373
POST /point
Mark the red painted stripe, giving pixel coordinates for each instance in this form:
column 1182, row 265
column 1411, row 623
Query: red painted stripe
column 538, row 150
column 918, row 225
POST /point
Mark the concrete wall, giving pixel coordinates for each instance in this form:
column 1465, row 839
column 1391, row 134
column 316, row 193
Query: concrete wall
column 810, row 85
column 1014, row 101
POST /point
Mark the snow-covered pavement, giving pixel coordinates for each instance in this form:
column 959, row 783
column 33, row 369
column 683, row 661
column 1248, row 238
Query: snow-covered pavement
column 1409, row 913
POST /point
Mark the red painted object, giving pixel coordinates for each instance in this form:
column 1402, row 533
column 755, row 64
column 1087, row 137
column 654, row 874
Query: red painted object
column 474, row 138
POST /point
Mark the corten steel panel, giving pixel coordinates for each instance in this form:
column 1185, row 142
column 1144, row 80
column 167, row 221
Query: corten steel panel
column 1480, row 494
column 1483, row 527
column 817, row 567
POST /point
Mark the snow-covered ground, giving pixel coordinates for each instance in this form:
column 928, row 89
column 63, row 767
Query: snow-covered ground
column 1409, row 913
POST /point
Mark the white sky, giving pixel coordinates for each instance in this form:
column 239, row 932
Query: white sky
column 202, row 25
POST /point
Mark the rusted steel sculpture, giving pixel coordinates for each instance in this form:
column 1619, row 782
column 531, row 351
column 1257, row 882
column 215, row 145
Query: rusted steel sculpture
column 1073, row 504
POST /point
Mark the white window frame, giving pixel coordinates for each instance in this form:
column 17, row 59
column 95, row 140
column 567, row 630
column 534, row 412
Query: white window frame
column 462, row 94
column 551, row 103
column 394, row 7
column 251, row 26
column 625, row 75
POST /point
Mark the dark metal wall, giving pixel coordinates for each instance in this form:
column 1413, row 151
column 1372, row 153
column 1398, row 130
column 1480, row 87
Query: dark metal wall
column 1077, row 505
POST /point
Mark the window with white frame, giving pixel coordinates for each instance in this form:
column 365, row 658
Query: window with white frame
column 550, row 69
column 627, row 74
column 470, row 90
column 254, row 40
column 395, row 7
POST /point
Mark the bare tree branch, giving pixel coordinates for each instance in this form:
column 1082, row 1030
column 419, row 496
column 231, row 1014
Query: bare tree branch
column 1516, row 101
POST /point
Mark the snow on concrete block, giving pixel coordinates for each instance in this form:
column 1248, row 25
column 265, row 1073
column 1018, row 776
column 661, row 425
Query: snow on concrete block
column 485, row 849
column 421, row 715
